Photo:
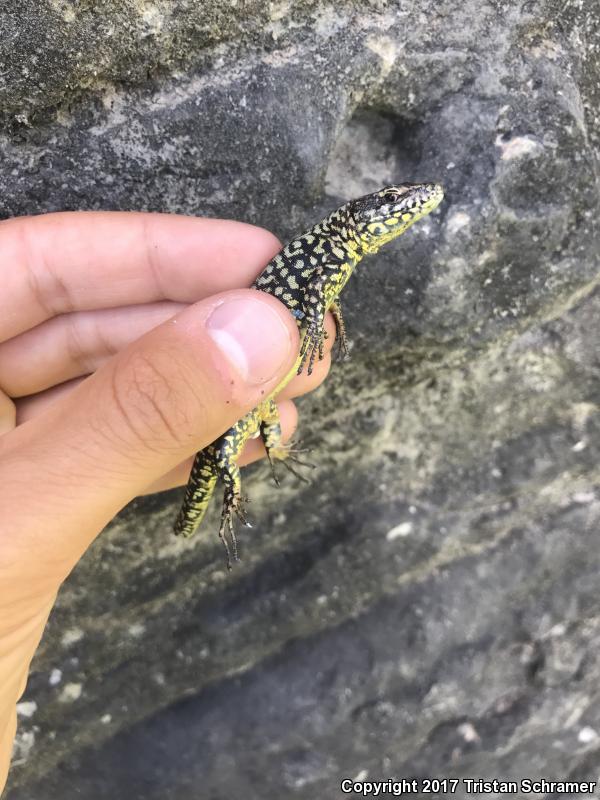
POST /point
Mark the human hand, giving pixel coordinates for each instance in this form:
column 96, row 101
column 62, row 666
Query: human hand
column 111, row 381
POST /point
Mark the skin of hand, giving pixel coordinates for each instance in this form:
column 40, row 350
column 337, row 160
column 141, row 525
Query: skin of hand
column 126, row 345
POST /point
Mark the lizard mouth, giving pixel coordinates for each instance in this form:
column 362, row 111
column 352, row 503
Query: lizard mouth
column 419, row 195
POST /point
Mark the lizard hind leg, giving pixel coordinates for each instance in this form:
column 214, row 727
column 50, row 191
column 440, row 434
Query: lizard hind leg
column 230, row 447
column 233, row 505
column 270, row 430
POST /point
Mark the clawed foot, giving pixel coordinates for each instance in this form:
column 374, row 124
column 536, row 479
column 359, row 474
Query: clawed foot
column 287, row 453
column 342, row 350
column 312, row 345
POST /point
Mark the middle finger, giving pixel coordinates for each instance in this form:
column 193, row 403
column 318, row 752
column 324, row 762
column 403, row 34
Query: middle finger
column 74, row 345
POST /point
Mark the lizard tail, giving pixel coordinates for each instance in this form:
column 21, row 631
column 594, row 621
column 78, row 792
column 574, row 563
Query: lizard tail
column 203, row 479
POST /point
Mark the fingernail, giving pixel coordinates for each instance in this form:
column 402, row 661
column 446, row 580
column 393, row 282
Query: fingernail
column 252, row 336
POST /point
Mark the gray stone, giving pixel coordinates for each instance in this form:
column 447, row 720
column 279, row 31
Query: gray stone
column 428, row 606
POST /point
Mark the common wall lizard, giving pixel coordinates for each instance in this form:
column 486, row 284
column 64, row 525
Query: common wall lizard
column 307, row 276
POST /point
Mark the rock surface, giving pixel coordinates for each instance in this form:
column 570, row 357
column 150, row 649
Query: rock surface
column 429, row 605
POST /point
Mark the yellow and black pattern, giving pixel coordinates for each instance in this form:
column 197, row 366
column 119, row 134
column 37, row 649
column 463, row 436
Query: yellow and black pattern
column 308, row 276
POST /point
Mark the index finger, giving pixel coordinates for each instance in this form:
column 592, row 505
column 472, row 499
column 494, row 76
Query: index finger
column 82, row 260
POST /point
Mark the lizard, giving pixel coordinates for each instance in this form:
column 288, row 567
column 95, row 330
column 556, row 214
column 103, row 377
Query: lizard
column 308, row 276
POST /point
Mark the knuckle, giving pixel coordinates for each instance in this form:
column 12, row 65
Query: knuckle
column 152, row 401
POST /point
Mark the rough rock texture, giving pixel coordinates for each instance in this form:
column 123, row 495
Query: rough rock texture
column 430, row 604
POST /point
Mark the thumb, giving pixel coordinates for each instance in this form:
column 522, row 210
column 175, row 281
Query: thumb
column 65, row 473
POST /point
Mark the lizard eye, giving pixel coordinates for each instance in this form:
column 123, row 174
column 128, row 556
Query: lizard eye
column 392, row 196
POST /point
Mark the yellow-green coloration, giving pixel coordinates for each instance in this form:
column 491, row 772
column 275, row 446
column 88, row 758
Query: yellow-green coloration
column 308, row 276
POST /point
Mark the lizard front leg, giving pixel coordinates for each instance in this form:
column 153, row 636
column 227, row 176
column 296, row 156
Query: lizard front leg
column 314, row 307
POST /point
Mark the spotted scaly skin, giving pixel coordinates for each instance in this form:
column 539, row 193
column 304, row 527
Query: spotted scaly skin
column 308, row 276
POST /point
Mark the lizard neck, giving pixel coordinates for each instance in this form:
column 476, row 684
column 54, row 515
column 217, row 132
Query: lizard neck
column 340, row 228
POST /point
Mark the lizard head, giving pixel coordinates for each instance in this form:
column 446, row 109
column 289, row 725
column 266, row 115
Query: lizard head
column 380, row 217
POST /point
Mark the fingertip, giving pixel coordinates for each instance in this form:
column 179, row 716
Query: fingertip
column 288, row 415
column 262, row 243
column 227, row 253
